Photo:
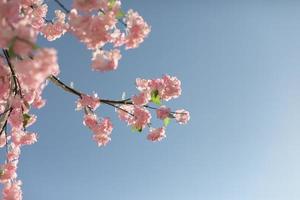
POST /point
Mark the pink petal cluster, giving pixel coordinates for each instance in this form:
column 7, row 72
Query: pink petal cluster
column 57, row 28
column 25, row 68
column 35, row 12
column 106, row 60
column 168, row 87
column 93, row 30
column 2, row 140
column 32, row 73
column 182, row 116
column 23, row 138
column 141, row 99
column 163, row 112
column 88, row 101
column 86, row 5
column 135, row 116
column 156, row 134
column 12, row 191
column 137, row 29
column 4, row 81
column 8, row 172
column 101, row 128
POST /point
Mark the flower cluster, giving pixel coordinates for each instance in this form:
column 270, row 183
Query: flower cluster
column 136, row 111
column 25, row 69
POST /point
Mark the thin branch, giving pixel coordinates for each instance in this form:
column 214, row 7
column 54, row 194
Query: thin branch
column 65, row 87
column 62, row 6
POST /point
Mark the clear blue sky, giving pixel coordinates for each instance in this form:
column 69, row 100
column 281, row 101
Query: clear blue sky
column 239, row 62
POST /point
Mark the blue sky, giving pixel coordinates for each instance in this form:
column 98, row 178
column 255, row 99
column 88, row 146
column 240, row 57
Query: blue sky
column 239, row 66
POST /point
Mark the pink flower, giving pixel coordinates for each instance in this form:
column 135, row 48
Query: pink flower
column 106, row 60
column 24, row 40
column 136, row 116
column 4, row 80
column 105, row 127
column 168, row 87
column 36, row 13
column 101, row 129
column 23, row 138
column 125, row 112
column 142, row 84
column 12, row 191
column 90, row 121
column 14, row 152
column 182, row 116
column 55, row 30
column 91, row 102
column 93, row 30
column 172, row 88
column 32, row 73
column 8, row 172
column 101, row 139
column 86, row 5
column 137, row 29
column 141, row 99
column 163, row 112
column 2, row 140
column 9, row 10
column 141, row 117
column 156, row 134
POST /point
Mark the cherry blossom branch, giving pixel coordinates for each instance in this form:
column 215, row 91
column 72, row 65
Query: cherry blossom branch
column 67, row 88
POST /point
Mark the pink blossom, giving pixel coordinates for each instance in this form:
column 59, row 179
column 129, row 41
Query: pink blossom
column 9, row 10
column 14, row 152
column 36, row 13
column 90, row 101
column 141, row 99
column 182, row 116
column 142, row 84
column 168, row 87
column 4, row 80
column 105, row 127
column 8, row 172
column 2, row 140
column 90, row 121
column 31, row 2
column 137, row 29
column 16, row 118
column 125, row 112
column 24, row 41
column 172, row 88
column 156, row 134
column 55, row 30
column 101, row 139
column 141, row 117
column 106, row 60
column 23, row 138
column 136, row 116
column 86, row 5
column 93, row 30
column 101, row 128
column 32, row 73
column 12, row 191
column 163, row 112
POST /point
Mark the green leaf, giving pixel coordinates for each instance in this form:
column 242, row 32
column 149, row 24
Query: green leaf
column 135, row 129
column 120, row 14
column 155, row 98
column 167, row 121
column 26, row 118
column 1, row 172
column 111, row 3
column 11, row 52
